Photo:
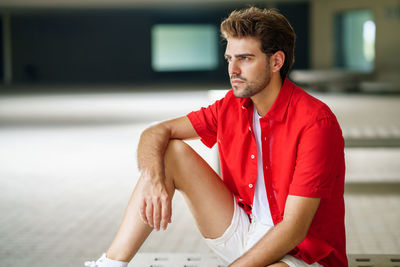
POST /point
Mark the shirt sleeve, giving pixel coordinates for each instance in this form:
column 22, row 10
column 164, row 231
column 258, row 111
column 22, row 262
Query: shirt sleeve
column 205, row 122
column 319, row 159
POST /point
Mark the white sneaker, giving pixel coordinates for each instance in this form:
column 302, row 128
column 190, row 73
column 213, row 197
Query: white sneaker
column 98, row 263
column 105, row 262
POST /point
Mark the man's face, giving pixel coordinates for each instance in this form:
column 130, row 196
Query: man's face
column 248, row 66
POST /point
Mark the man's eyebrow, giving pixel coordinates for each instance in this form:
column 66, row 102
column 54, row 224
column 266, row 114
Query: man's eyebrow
column 245, row 55
column 240, row 55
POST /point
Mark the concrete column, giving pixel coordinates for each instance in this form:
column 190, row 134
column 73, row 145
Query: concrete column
column 7, row 50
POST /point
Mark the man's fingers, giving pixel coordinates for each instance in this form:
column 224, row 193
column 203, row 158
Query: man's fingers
column 156, row 213
column 142, row 211
column 155, row 206
column 149, row 212
column 165, row 212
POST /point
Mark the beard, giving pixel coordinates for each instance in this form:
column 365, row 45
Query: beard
column 250, row 88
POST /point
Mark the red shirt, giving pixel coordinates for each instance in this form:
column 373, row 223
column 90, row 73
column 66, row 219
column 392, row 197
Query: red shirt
column 303, row 155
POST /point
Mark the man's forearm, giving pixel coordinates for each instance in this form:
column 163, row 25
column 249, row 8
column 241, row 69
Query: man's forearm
column 151, row 148
column 155, row 203
column 286, row 235
column 272, row 247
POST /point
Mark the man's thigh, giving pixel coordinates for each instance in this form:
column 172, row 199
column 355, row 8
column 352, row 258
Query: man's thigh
column 209, row 200
column 279, row 264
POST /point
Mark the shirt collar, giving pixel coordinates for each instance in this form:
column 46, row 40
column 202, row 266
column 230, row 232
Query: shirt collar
column 279, row 108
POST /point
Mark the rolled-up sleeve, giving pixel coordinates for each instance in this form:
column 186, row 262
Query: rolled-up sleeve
column 205, row 122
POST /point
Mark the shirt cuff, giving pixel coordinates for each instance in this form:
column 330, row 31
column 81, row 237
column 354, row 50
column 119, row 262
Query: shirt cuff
column 207, row 139
column 313, row 192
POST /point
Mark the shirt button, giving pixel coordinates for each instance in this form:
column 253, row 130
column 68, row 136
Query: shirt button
column 252, row 156
column 266, row 167
column 243, row 107
column 249, row 128
column 250, row 185
column 265, row 138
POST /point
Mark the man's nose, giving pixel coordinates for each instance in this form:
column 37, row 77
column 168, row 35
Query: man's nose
column 233, row 68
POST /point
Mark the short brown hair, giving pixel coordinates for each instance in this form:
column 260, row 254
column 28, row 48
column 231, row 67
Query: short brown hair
column 270, row 26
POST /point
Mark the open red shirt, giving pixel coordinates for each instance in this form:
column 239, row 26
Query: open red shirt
column 303, row 155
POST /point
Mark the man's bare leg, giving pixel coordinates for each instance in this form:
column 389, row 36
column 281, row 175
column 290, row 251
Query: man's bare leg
column 204, row 193
column 278, row 264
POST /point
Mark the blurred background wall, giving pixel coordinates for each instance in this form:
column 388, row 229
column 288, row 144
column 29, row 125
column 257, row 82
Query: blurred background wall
column 113, row 44
column 99, row 41
column 386, row 16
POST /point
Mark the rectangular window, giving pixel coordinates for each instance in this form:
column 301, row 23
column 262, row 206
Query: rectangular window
column 184, row 47
column 355, row 40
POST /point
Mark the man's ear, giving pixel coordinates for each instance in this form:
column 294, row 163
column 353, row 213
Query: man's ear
column 277, row 60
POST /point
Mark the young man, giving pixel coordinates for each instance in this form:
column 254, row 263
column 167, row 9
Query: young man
column 279, row 200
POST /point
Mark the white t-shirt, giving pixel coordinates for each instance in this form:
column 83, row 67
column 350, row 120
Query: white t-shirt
column 260, row 210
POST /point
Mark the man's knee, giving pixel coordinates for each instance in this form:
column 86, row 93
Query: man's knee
column 176, row 149
column 182, row 162
column 176, row 156
column 176, row 145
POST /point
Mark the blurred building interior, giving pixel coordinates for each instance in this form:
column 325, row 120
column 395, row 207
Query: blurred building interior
column 98, row 41
column 79, row 81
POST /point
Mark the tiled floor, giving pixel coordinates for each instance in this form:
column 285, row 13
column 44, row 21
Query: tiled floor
column 67, row 168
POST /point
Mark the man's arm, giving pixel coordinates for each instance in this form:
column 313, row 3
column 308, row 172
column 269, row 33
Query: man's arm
column 283, row 237
column 155, row 205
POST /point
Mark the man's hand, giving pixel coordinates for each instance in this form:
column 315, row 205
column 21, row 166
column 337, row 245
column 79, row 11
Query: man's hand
column 155, row 203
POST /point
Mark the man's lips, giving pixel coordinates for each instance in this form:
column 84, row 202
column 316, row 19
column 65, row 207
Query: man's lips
column 237, row 81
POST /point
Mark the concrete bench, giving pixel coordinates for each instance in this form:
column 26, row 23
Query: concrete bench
column 210, row 260
column 175, row 260
column 374, row 260
column 329, row 80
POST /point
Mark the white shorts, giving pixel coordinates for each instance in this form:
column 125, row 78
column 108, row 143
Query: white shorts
column 241, row 235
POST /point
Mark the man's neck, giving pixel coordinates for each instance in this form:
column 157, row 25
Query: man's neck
column 264, row 100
